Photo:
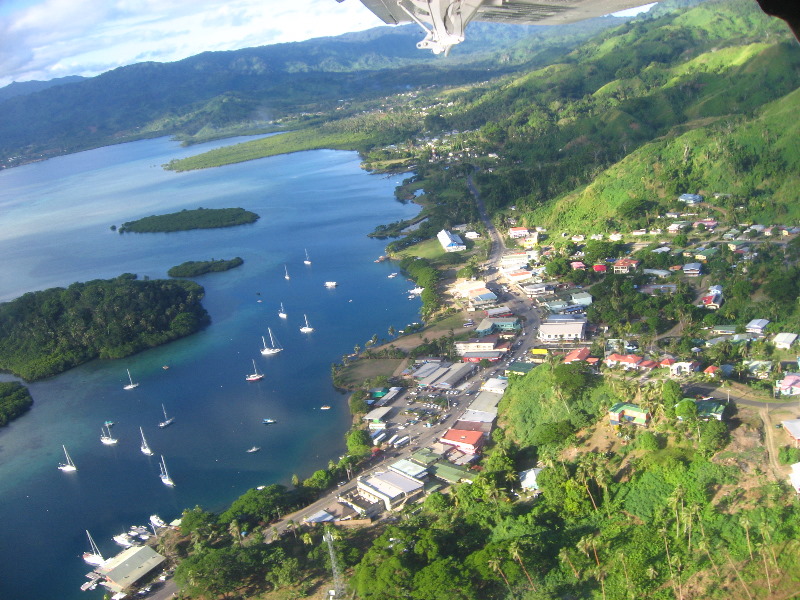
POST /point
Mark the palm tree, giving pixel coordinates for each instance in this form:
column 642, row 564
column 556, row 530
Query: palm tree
column 235, row 531
column 496, row 566
column 744, row 521
column 516, row 553
column 563, row 555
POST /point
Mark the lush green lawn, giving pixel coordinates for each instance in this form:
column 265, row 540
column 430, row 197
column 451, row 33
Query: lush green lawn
column 430, row 249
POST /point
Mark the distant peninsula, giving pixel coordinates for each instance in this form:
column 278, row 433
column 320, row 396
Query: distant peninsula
column 185, row 220
column 193, row 268
column 48, row 332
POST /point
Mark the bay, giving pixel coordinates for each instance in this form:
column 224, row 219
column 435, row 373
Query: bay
column 55, row 219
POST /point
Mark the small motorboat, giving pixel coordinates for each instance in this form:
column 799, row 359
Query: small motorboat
column 253, row 449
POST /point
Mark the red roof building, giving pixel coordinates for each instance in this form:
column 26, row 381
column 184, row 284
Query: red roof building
column 470, row 442
column 579, row 354
column 629, row 361
column 599, row 268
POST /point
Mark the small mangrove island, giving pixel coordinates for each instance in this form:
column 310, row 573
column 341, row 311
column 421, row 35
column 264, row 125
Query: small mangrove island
column 194, row 268
column 15, row 400
column 48, row 332
column 185, row 220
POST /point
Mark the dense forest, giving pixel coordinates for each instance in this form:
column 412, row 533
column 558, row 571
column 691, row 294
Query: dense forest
column 15, row 400
column 45, row 333
column 185, row 220
column 193, row 268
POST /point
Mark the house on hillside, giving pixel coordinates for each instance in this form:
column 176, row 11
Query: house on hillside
column 789, row 385
column 757, row 326
column 792, row 428
column 692, row 269
column 784, row 341
column 690, row 199
column 625, row 412
column 625, row 265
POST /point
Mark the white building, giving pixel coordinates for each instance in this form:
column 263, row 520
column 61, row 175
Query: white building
column 391, row 488
column 784, row 341
column 450, row 241
column 562, row 328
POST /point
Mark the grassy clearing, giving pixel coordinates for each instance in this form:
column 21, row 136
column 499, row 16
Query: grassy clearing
column 361, row 370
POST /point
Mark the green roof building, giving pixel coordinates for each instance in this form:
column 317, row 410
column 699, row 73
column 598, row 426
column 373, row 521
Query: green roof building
column 625, row 412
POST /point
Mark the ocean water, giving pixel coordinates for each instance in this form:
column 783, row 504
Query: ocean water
column 55, row 219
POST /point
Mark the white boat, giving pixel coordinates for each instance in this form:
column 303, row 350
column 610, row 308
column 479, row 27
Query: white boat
column 324, row 407
column 166, row 422
column 268, row 421
column 307, row 261
column 286, row 272
column 306, row 328
column 165, row 478
column 105, row 437
column 253, row 449
column 392, row 275
column 144, row 447
column 124, row 540
column 93, row 557
column 273, row 347
column 331, row 284
column 157, row 522
column 68, row 466
column 255, row 375
column 131, row 385
column 281, row 312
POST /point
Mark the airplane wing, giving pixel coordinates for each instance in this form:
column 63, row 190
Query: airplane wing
column 444, row 21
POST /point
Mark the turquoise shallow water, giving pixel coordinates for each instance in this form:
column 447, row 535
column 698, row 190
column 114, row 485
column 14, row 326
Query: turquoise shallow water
column 54, row 230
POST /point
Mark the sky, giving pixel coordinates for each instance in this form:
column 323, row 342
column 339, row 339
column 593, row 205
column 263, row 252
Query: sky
column 45, row 39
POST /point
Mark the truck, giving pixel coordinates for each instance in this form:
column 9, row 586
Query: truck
column 379, row 438
column 393, row 439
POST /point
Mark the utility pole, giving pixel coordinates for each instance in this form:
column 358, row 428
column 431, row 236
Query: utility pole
column 338, row 583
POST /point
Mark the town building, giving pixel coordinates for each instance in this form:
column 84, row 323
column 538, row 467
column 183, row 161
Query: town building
column 692, row 269
column 469, row 442
column 390, row 488
column 518, row 232
column 562, row 328
column 690, row 199
column 789, row 385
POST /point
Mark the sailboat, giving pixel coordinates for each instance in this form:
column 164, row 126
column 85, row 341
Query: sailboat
column 167, row 420
column 255, row 375
column 144, row 447
column 307, row 261
column 165, row 478
column 306, row 328
column 105, row 437
column 273, row 347
column 282, row 312
column 131, row 385
column 286, row 271
column 68, row 466
column 93, row 557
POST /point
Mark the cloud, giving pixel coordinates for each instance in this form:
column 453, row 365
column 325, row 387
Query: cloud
column 43, row 39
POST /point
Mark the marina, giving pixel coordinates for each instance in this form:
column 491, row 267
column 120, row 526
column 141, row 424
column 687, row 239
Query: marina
column 204, row 387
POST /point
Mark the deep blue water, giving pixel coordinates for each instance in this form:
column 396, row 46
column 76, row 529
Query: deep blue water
column 55, row 220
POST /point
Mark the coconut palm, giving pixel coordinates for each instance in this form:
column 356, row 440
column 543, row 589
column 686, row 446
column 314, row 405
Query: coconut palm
column 515, row 551
column 495, row 564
